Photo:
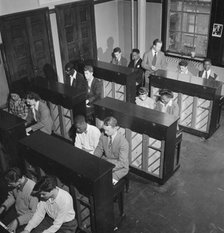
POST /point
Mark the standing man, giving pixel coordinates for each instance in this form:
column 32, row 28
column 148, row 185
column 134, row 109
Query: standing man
column 74, row 79
column 24, row 204
column 154, row 59
column 55, row 212
column 207, row 72
column 135, row 63
column 117, row 58
column 40, row 114
column 114, row 148
column 87, row 136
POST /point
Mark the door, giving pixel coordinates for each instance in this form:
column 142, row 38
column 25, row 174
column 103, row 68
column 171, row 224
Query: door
column 27, row 44
column 76, row 27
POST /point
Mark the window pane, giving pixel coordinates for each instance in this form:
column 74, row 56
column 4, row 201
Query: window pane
column 188, row 24
column 187, row 43
column 175, row 21
column 202, row 23
column 190, row 5
column 174, row 42
column 176, row 5
column 204, row 7
column 201, row 43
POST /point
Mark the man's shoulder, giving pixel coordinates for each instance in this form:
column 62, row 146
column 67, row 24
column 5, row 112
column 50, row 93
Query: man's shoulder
column 93, row 128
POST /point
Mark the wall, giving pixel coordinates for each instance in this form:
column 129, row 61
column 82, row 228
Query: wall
column 107, row 35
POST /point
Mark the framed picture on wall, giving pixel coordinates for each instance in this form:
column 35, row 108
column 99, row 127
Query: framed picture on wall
column 217, row 30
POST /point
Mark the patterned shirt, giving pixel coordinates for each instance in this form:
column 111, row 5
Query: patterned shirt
column 18, row 108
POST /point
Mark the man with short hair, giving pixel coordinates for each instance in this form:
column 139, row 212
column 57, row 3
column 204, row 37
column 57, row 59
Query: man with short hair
column 20, row 196
column 87, row 136
column 184, row 74
column 117, row 57
column 154, row 59
column 40, row 114
column 55, row 212
column 207, row 72
column 114, row 148
column 95, row 86
column 74, row 78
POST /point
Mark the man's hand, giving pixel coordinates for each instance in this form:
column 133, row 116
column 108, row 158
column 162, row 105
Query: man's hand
column 153, row 68
column 13, row 226
column 1, row 209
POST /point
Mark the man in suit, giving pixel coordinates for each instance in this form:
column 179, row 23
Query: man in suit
column 74, row 78
column 207, row 72
column 40, row 113
column 117, row 58
column 154, row 59
column 114, row 148
column 135, row 63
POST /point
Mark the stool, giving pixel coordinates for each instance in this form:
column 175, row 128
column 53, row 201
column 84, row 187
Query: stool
column 118, row 194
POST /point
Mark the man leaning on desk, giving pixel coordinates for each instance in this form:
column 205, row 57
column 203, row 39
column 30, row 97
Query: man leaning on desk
column 114, row 148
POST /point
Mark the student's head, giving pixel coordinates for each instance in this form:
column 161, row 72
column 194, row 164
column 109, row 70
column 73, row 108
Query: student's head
column 183, row 66
column 165, row 95
column 14, row 96
column 13, row 177
column 207, row 63
column 135, row 54
column 88, row 72
column 110, row 126
column 157, row 45
column 80, row 124
column 69, row 69
column 117, row 53
column 45, row 187
column 143, row 93
column 32, row 98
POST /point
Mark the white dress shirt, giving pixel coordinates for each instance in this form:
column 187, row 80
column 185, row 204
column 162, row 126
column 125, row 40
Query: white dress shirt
column 89, row 139
column 59, row 209
column 72, row 77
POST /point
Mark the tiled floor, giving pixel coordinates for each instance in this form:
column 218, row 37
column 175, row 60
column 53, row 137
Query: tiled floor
column 192, row 201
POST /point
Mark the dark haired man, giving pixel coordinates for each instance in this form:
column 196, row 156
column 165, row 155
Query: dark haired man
column 74, row 78
column 154, row 59
column 117, row 57
column 40, row 114
column 55, row 212
column 114, row 148
column 20, row 196
column 207, row 72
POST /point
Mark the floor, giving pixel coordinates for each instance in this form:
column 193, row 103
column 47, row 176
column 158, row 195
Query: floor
column 192, row 200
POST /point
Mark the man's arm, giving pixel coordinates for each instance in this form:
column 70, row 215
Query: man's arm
column 163, row 62
column 78, row 142
column 99, row 149
column 37, row 217
column 97, row 92
column 9, row 201
column 145, row 62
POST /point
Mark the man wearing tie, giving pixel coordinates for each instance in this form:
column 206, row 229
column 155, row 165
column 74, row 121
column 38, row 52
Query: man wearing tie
column 40, row 113
column 207, row 72
column 154, row 59
column 74, row 78
column 114, row 148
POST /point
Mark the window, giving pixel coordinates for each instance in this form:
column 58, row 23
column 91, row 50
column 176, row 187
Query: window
column 188, row 27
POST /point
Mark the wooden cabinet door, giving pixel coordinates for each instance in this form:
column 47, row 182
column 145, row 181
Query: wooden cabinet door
column 27, row 44
column 76, row 27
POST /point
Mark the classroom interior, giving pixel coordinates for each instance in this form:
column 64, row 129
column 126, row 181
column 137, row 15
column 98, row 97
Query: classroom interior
column 189, row 197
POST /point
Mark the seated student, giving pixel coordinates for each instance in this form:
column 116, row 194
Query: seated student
column 87, row 136
column 20, row 196
column 166, row 104
column 143, row 99
column 40, row 114
column 184, row 73
column 95, row 86
column 117, row 57
column 17, row 106
column 114, row 148
column 207, row 72
column 55, row 212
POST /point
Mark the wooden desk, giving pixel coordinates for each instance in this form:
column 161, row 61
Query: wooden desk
column 66, row 102
column 152, row 140
column 198, row 99
column 92, row 176
column 119, row 81
column 12, row 128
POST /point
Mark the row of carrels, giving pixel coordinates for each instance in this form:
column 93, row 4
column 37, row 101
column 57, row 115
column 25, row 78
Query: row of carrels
column 152, row 135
